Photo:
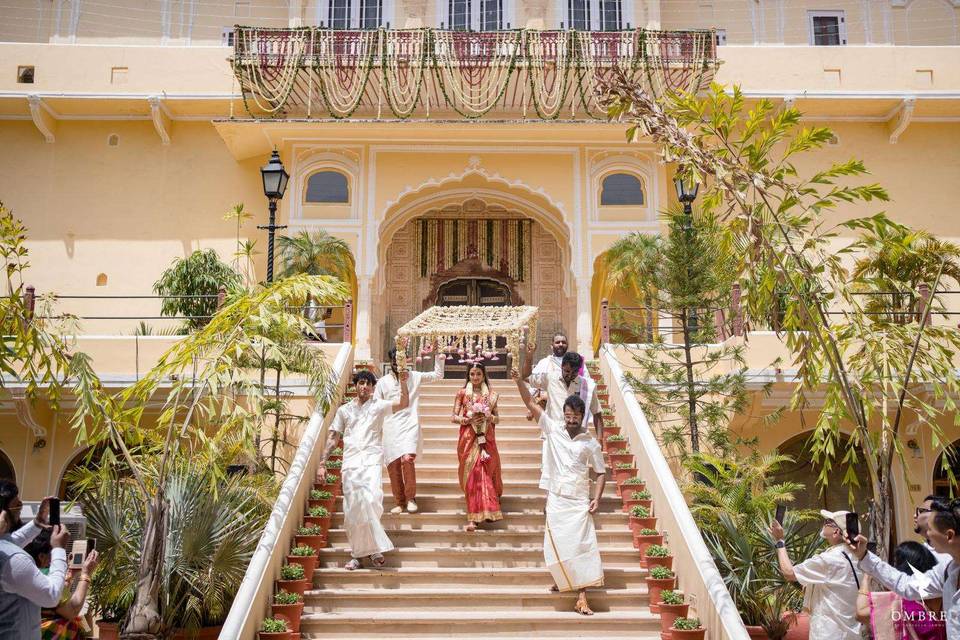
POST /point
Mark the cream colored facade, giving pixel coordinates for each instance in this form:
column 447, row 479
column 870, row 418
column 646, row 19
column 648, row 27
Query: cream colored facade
column 132, row 142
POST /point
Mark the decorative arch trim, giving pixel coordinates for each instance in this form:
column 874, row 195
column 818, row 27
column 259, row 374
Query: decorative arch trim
column 641, row 167
column 318, row 161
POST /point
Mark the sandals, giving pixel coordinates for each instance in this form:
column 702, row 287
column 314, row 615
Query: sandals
column 470, row 526
column 353, row 565
column 378, row 560
column 582, row 607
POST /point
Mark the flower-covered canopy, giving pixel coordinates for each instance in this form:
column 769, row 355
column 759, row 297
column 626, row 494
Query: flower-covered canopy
column 468, row 333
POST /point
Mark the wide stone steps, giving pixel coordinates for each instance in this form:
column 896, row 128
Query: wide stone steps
column 512, row 500
column 506, row 623
column 400, row 578
column 442, row 470
column 452, row 520
column 508, row 456
column 494, row 538
column 473, row 556
column 450, row 486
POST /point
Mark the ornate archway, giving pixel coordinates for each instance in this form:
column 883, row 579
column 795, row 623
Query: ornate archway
column 471, row 269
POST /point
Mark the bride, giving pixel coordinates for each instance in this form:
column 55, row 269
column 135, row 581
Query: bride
column 475, row 410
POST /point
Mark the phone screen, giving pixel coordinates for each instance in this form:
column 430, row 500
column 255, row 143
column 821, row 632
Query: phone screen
column 853, row 527
column 781, row 512
column 54, row 511
column 91, row 544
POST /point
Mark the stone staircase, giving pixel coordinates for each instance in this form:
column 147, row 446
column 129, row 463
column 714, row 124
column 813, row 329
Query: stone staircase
column 444, row 582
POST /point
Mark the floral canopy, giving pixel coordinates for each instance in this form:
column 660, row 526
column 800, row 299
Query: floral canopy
column 468, row 333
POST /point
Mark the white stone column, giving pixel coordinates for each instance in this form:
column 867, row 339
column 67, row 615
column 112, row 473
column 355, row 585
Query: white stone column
column 584, row 343
column 364, row 306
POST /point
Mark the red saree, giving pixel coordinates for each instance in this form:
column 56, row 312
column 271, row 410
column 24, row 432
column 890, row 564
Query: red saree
column 479, row 474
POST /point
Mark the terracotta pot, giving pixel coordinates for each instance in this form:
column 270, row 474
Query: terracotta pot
column 317, row 542
column 338, row 456
column 628, row 504
column 621, row 475
column 655, row 587
column 326, row 503
column 322, row 522
column 658, row 562
column 669, row 613
column 293, row 586
column 757, row 632
column 309, row 564
column 335, row 472
column 283, row 635
column 636, row 524
column 108, row 630
column 621, row 457
column 204, row 633
column 800, row 628
column 613, row 445
column 642, row 543
column 624, row 490
column 289, row 612
column 693, row 634
column 610, row 427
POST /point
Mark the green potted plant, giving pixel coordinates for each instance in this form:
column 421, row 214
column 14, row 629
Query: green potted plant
column 618, row 456
column 641, row 497
column 672, row 606
column 660, row 579
column 334, row 467
column 321, row 498
column 687, row 629
column 613, row 441
column 288, row 606
column 336, row 454
column 330, row 483
column 645, row 538
column 292, row 579
column 310, row 535
column 275, row 629
column 318, row 516
column 306, row 557
column 658, row 555
column 623, row 471
column 640, row 518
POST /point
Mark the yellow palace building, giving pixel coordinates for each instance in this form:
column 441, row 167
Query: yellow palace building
column 456, row 145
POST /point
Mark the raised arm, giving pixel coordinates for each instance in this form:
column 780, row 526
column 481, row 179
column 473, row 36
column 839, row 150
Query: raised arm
column 528, row 400
column 404, row 392
column 439, row 360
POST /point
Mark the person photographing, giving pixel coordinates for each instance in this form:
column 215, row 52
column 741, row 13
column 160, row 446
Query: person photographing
column 829, row 579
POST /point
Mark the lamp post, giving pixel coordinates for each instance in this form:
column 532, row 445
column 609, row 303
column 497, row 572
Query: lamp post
column 686, row 193
column 275, row 179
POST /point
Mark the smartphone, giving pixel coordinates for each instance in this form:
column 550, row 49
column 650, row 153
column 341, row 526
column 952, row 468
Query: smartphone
column 853, row 527
column 91, row 545
column 872, row 547
column 781, row 512
column 78, row 553
column 54, row 518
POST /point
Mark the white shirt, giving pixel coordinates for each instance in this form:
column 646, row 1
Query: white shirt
column 21, row 576
column 551, row 379
column 830, row 594
column 566, row 460
column 401, row 431
column 362, row 430
column 939, row 582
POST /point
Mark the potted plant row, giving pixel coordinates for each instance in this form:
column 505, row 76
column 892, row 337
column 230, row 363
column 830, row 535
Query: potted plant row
column 641, row 498
column 658, row 555
column 310, row 535
column 275, row 629
column 319, row 516
column 613, row 441
column 659, row 580
column 306, row 557
column 321, row 498
column 288, row 606
column 687, row 629
column 623, row 471
column 672, row 606
column 640, row 518
column 330, row 483
column 644, row 539
column 292, row 579
column 620, row 456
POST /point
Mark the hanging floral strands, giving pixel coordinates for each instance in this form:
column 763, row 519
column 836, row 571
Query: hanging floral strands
column 468, row 334
column 474, row 69
column 601, row 55
column 502, row 244
column 549, row 54
column 268, row 71
column 342, row 61
column 404, row 62
column 675, row 64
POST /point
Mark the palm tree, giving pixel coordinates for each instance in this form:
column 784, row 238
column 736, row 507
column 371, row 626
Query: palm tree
column 632, row 265
column 316, row 254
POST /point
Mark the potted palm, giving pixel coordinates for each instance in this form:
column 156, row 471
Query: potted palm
column 641, row 497
column 306, row 557
column 275, row 629
column 659, row 580
column 687, row 629
column 292, row 579
column 321, row 498
column 658, row 555
column 672, row 607
column 620, row 456
column 640, row 518
column 644, row 539
column 310, row 535
column 288, row 606
column 318, row 516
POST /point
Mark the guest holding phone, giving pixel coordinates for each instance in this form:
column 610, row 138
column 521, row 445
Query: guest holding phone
column 23, row 589
column 830, row 580
column 63, row 622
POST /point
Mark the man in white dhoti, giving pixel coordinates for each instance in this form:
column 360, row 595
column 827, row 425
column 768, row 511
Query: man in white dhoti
column 360, row 422
column 402, row 438
column 571, row 459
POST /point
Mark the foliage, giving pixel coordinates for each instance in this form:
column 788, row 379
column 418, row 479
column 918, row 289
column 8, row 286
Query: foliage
column 617, row 437
column 303, row 550
column 639, row 511
column 330, row 478
column 318, row 512
column 310, row 530
column 199, row 274
column 634, row 480
column 686, row 624
column 210, row 538
column 336, row 452
column 620, row 452
column 631, row 265
column 871, row 370
column 144, row 329
column 657, row 551
column 669, row 596
column 285, row 597
column 246, row 249
column 641, row 495
column 292, row 572
column 661, row 573
column 623, row 465
column 334, row 464
column 318, row 494
column 648, row 532
column 273, row 625
column 317, row 253
column 689, row 385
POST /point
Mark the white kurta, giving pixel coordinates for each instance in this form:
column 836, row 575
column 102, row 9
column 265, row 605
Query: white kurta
column 401, row 431
column 570, row 547
column 362, row 429
column 548, row 376
column 830, row 594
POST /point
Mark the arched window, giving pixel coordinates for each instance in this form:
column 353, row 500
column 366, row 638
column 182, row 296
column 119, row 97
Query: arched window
column 328, row 187
column 7, row 471
column 621, row 189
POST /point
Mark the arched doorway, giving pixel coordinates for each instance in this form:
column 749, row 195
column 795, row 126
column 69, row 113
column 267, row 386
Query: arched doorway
column 7, row 472
column 477, row 292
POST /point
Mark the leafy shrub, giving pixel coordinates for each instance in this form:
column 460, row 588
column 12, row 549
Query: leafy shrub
column 334, row 464
column 661, row 573
column 310, row 530
column 337, row 452
column 320, row 494
column 648, row 532
column 285, row 597
column 303, row 551
column 640, row 511
column 640, row 495
column 657, row 551
column 273, row 625
column 634, row 480
column 669, row 596
column 623, row 465
column 617, row 437
column 621, row 452
column 291, row 572
column 686, row 624
column 318, row 512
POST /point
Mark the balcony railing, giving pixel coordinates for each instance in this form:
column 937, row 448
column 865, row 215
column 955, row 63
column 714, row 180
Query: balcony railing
column 397, row 74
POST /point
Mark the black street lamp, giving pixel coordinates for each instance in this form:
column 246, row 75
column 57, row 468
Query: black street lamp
column 687, row 188
column 275, row 179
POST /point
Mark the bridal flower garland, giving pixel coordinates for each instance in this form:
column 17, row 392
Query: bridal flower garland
column 467, row 334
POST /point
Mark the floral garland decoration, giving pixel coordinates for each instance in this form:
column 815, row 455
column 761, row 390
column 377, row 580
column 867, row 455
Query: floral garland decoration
column 475, row 68
column 549, row 54
column 342, row 61
column 268, row 70
column 404, row 64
